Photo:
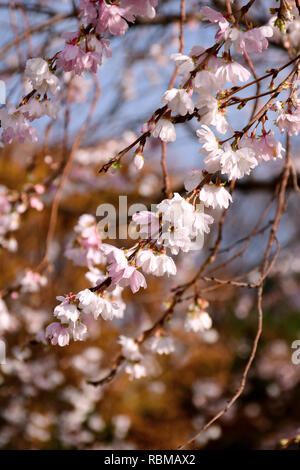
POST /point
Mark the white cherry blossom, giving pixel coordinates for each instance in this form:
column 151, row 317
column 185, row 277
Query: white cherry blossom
column 156, row 264
column 210, row 114
column 215, row 196
column 42, row 80
column 165, row 130
column 231, row 71
column 237, row 163
column 178, row 101
column 184, row 63
column 161, row 344
column 197, row 320
column 136, row 370
column 67, row 311
column 138, row 161
column 94, row 304
column 205, row 81
column 130, row 348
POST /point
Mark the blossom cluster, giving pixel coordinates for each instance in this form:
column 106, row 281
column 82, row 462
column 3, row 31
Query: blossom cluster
column 83, row 52
column 84, row 48
column 9, row 221
column 40, row 82
column 12, row 206
column 204, row 74
column 173, row 227
column 178, row 222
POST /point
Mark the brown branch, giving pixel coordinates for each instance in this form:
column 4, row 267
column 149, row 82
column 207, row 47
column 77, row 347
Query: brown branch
column 65, row 172
column 166, row 181
column 166, row 186
column 244, row 376
column 34, row 29
column 265, row 269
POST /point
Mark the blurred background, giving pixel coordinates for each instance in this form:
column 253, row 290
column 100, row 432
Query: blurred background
column 45, row 401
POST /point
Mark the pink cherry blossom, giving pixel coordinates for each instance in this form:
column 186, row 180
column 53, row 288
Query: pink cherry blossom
column 87, row 10
column 57, row 334
column 266, row 147
column 289, row 121
column 148, row 222
column 140, row 8
column 111, row 19
column 15, row 126
column 254, row 40
column 127, row 276
column 214, row 17
column 32, row 281
column 215, row 196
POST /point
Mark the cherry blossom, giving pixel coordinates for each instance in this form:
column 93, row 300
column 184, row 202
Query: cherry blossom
column 155, row 263
column 75, row 57
column 111, row 19
column 269, row 147
column 135, row 370
column 87, row 10
column 214, row 17
column 67, row 310
column 127, row 276
column 32, row 281
column 161, row 344
column 36, row 109
column 57, row 334
column 145, row 8
column 84, row 49
column 84, row 249
column 79, row 331
column 9, row 221
column 266, row 147
column 178, row 100
column 184, row 63
column 15, row 126
column 205, row 81
column 211, row 148
column 208, row 89
column 148, row 223
column 42, row 80
column 177, row 210
column 130, row 348
column 176, row 238
column 289, row 121
column 197, row 320
column 138, row 161
column 91, row 303
column 215, row 196
column 210, row 113
column 237, row 163
column 253, row 40
column 7, row 321
column 231, row 71
column 120, row 271
column 165, row 130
